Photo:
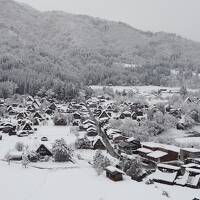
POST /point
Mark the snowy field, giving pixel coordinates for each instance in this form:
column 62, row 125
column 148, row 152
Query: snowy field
column 51, row 132
column 17, row 183
column 181, row 136
column 140, row 89
column 148, row 92
column 72, row 181
column 187, row 139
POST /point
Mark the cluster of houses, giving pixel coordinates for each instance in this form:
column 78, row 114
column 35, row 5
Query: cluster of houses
column 20, row 117
column 173, row 165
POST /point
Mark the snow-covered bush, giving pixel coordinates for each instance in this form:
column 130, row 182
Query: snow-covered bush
column 79, row 157
column 83, row 143
column 135, row 170
column 33, row 156
column 152, row 127
column 25, row 160
column 113, row 123
column 19, row 146
column 164, row 193
column 132, row 168
column 149, row 182
column 7, row 157
column 60, row 120
column 189, row 122
column 125, row 164
column 61, row 151
column 100, row 162
column 170, row 121
column 46, row 158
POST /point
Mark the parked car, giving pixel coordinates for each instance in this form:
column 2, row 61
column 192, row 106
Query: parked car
column 44, row 139
column 12, row 132
column 7, row 129
column 30, row 132
column 22, row 133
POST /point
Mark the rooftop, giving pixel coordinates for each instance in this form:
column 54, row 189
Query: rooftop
column 157, row 154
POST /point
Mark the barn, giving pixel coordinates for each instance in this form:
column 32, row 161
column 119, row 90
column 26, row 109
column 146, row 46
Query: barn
column 53, row 106
column 186, row 153
column 157, row 156
column 43, row 150
column 104, row 115
column 92, row 132
column 167, row 152
column 98, row 143
column 38, row 115
column 76, row 115
column 166, row 174
column 114, row 173
column 27, row 127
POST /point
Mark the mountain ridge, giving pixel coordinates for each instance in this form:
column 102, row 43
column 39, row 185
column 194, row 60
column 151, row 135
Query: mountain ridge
column 78, row 48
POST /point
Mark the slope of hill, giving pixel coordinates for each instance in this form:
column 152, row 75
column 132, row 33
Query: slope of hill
column 47, row 46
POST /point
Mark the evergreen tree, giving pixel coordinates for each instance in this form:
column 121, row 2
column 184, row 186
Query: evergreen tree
column 183, row 91
column 135, row 170
column 61, row 151
column 100, row 162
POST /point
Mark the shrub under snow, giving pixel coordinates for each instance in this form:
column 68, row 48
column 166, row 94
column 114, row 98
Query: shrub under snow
column 100, row 162
column 61, row 151
column 19, row 146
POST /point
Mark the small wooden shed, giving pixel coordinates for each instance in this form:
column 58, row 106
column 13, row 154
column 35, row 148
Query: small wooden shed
column 114, row 173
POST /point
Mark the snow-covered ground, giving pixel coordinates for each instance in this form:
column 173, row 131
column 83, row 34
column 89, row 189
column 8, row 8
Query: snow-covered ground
column 72, row 181
column 79, row 183
column 180, row 136
column 49, row 131
column 189, row 140
column 140, row 89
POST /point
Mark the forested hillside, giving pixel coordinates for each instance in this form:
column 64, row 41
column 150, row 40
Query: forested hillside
column 55, row 52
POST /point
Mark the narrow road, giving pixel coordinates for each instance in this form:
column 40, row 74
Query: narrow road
column 109, row 147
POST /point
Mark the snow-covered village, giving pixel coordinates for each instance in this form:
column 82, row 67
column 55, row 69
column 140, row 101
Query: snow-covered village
column 99, row 100
column 117, row 141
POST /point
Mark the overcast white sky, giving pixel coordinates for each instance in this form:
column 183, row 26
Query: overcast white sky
column 177, row 16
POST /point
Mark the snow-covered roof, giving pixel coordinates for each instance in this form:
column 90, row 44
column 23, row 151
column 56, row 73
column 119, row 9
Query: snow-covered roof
column 195, row 159
column 127, row 112
column 193, row 150
column 114, row 169
column 193, row 170
column 168, row 166
column 96, row 138
column 131, row 157
column 92, row 128
column 15, row 153
column 182, row 180
column 131, row 139
column 144, row 150
column 190, row 165
column 164, row 176
column 159, row 145
column 113, row 131
column 157, row 154
column 88, row 121
column 117, row 135
column 194, row 180
column 187, row 179
column 36, row 144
